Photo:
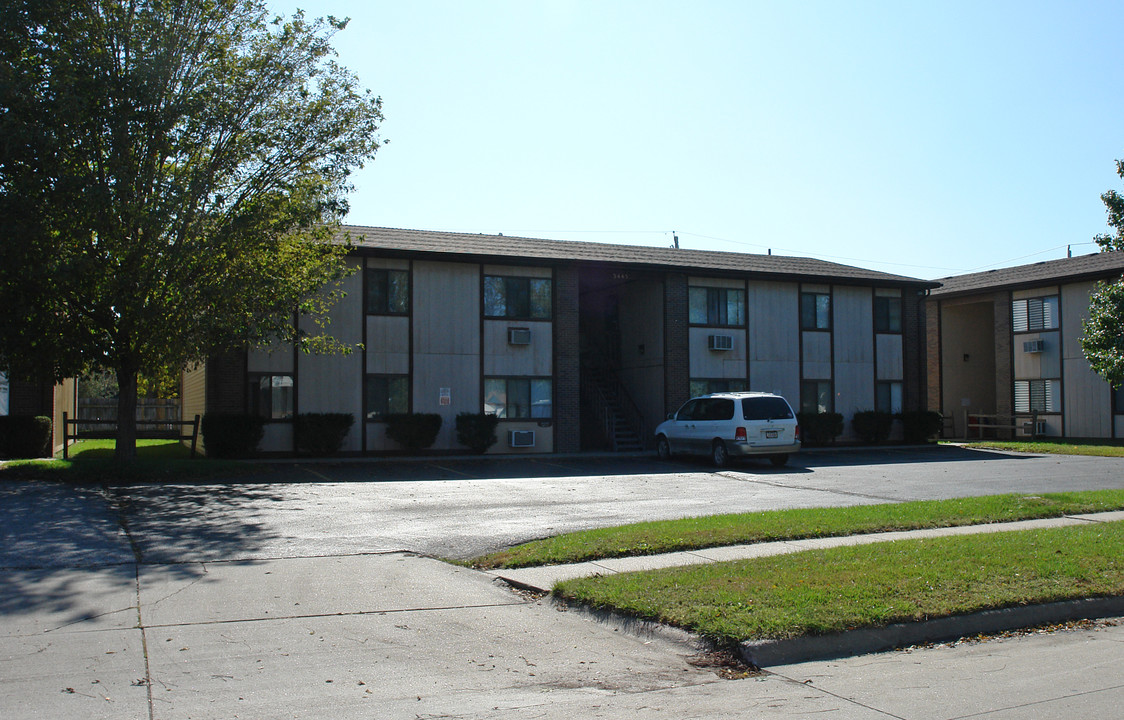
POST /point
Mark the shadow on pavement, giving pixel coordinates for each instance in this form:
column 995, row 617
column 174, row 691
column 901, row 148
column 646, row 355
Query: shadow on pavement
column 44, row 524
column 63, row 554
column 175, row 523
column 67, row 557
column 831, row 457
column 504, row 468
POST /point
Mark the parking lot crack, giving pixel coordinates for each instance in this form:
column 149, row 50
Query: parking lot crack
column 187, row 586
column 743, row 477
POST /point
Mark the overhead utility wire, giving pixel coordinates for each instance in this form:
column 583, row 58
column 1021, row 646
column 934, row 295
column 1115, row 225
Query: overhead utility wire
column 1003, row 263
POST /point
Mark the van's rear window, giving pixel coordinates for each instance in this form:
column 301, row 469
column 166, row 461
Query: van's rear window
column 765, row 408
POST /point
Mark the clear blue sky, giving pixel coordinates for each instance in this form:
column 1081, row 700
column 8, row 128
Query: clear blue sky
column 924, row 139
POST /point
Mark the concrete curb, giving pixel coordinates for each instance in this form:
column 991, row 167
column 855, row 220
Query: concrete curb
column 765, row 653
column 637, row 627
column 770, row 653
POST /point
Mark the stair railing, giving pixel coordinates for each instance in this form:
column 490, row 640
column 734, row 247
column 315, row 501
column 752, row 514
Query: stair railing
column 606, row 382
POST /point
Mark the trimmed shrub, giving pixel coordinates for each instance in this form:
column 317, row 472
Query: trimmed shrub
column 25, row 436
column 413, row 431
column 231, row 435
column 820, row 428
column 872, row 426
column 477, row 431
column 320, row 434
column 919, row 426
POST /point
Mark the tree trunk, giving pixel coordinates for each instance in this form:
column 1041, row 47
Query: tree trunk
column 126, row 448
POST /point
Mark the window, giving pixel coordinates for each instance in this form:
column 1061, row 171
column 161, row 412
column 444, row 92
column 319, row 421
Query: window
column 386, row 395
column 815, row 311
column 517, row 297
column 816, row 396
column 717, row 306
column 1037, row 396
column 888, row 314
column 691, row 410
column 1118, row 400
column 716, row 409
column 705, row 386
column 271, row 396
column 388, row 292
column 514, row 397
column 888, row 397
column 766, row 408
column 1035, row 314
column 4, row 394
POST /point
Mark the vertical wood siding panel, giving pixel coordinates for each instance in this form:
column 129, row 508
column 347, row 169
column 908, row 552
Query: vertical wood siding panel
column 334, row 383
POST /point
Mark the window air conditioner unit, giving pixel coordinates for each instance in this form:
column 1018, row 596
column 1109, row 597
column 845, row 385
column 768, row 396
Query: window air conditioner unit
column 518, row 336
column 521, row 438
column 1035, row 428
column 1034, row 346
column 720, row 342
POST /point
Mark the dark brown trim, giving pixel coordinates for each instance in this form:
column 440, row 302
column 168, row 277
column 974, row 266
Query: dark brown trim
column 363, row 360
column 410, row 339
column 940, row 364
column 480, row 336
column 1061, row 358
column 296, row 383
column 874, row 346
column 745, row 310
column 831, row 331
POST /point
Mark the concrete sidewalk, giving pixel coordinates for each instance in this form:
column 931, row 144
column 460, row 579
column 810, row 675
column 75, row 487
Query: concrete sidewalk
column 543, row 578
column 396, row 635
column 769, row 653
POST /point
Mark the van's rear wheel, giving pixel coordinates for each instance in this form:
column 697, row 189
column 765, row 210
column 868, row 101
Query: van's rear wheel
column 779, row 460
column 719, row 454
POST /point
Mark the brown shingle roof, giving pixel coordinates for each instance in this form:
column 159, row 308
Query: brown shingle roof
column 1083, row 267
column 509, row 249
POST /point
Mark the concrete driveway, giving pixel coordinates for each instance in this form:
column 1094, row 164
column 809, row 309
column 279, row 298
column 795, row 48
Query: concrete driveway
column 304, row 595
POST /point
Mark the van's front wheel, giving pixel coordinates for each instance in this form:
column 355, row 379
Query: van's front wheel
column 663, row 448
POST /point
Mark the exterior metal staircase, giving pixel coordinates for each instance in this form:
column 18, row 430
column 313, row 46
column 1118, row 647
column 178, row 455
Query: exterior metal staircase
column 612, row 411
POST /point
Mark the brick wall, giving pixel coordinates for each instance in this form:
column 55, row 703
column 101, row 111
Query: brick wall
column 1004, row 373
column 913, row 350
column 226, row 383
column 677, row 357
column 35, row 398
column 567, row 364
column 932, row 309
column 30, row 398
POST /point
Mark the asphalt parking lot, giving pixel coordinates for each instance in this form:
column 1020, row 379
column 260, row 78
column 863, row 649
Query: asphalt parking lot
column 304, row 591
column 460, row 508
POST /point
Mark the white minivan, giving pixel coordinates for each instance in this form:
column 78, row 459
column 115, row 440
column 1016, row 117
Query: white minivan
column 731, row 424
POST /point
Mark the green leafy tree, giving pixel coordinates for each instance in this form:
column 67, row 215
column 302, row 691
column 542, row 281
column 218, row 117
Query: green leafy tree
column 172, row 176
column 1103, row 341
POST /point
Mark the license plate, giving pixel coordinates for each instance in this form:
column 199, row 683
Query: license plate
column 770, row 434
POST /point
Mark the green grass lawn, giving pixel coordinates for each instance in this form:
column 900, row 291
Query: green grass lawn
column 1099, row 448
column 146, row 450
column 663, row 536
column 91, row 461
column 816, row 592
